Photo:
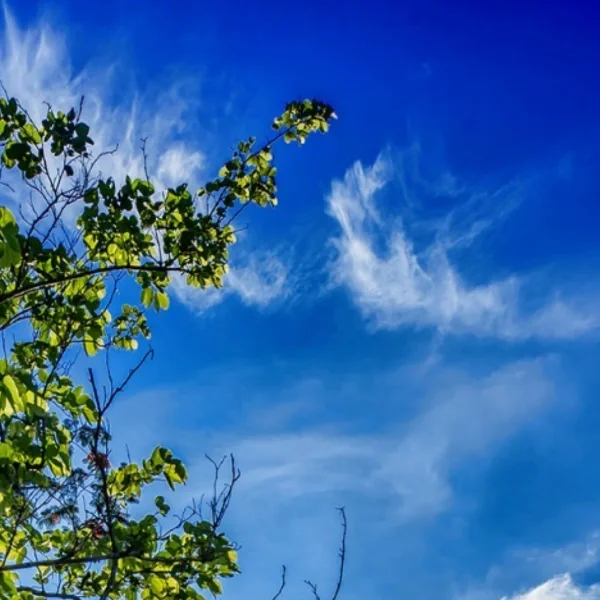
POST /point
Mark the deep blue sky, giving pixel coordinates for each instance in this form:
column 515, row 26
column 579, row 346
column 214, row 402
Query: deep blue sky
column 434, row 365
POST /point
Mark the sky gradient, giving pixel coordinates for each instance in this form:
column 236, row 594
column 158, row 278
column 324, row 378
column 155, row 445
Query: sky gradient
column 413, row 332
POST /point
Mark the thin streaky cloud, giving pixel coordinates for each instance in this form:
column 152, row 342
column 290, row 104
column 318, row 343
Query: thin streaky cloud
column 462, row 418
column 396, row 282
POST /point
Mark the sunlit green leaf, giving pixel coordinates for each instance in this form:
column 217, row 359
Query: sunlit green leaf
column 147, row 296
column 90, row 346
column 13, row 390
column 32, row 133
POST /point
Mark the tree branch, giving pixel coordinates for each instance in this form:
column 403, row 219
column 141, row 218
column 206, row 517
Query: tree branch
column 44, row 594
column 40, row 285
column 79, row 560
column 338, row 586
column 283, row 582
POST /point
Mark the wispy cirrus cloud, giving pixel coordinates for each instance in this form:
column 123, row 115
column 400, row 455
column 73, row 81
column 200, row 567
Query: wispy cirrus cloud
column 396, row 281
column 411, row 462
column 295, row 475
column 36, row 68
column 461, row 417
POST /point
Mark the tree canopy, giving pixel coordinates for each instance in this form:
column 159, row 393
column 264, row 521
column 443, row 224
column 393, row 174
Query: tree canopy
column 69, row 239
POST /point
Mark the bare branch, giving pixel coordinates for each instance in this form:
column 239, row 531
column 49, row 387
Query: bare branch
column 313, row 588
column 115, row 391
column 342, row 555
column 219, row 503
column 283, row 582
column 338, row 586
column 145, row 157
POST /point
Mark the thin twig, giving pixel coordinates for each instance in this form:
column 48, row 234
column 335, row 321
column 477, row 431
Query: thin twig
column 282, row 586
column 313, row 589
column 338, row 586
column 342, row 555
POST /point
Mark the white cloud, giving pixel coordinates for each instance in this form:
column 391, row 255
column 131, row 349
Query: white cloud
column 163, row 115
column 561, row 587
column 293, row 477
column 176, row 163
column 571, row 558
column 396, row 281
column 258, row 279
column 392, row 479
column 261, row 280
column 35, row 67
column 460, row 419
column 523, row 565
column 411, row 463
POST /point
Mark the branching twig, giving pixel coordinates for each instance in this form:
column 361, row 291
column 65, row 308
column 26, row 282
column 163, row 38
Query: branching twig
column 342, row 555
column 313, row 588
column 219, row 503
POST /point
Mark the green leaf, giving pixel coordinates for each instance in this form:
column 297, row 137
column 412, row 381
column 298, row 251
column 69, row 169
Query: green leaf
column 146, row 188
column 16, row 150
column 32, row 133
column 147, row 296
column 160, row 456
column 89, row 413
column 214, row 585
column 157, row 585
column 162, row 506
column 13, row 390
column 172, row 586
column 9, row 163
column 90, row 346
column 6, row 452
column 175, row 473
column 169, row 480
column 161, row 301
column 82, row 130
column 7, row 584
column 6, row 217
column 10, row 250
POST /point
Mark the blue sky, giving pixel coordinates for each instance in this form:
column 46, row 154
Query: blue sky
column 413, row 332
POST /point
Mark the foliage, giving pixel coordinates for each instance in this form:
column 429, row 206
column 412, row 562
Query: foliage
column 66, row 528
